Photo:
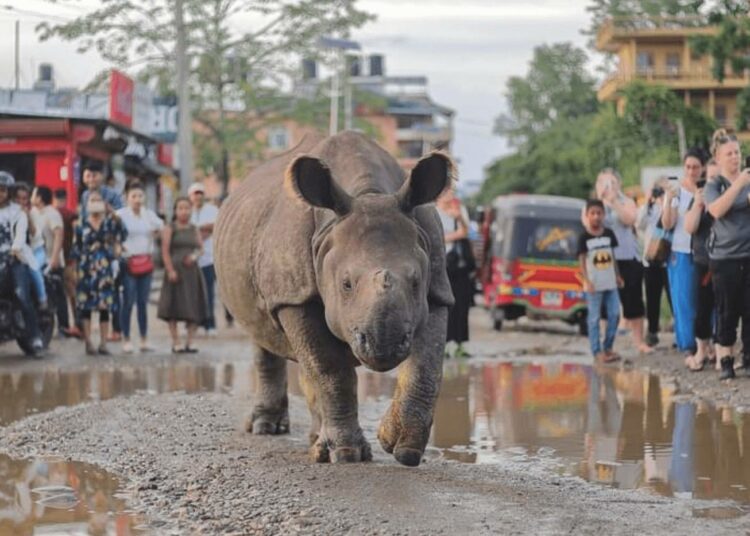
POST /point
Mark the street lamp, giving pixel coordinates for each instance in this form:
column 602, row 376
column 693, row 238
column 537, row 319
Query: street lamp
column 339, row 46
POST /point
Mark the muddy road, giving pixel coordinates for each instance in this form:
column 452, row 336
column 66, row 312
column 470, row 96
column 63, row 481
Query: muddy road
column 529, row 438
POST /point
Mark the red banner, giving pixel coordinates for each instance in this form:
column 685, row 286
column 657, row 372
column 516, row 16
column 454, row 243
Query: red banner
column 121, row 90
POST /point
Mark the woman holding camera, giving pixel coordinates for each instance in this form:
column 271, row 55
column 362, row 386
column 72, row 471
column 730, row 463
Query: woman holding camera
column 677, row 199
column 654, row 271
column 728, row 201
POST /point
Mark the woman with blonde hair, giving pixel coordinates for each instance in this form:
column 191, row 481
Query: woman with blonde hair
column 727, row 199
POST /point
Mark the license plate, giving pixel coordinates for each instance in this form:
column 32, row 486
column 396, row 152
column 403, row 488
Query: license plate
column 552, row 299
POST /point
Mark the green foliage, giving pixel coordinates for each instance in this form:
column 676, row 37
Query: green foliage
column 243, row 71
column 565, row 158
column 556, row 85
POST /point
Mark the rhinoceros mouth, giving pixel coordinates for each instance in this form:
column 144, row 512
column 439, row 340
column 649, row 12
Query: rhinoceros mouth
column 381, row 359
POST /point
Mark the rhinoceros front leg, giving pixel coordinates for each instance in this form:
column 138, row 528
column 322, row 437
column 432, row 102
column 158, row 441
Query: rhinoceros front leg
column 271, row 411
column 331, row 384
column 405, row 428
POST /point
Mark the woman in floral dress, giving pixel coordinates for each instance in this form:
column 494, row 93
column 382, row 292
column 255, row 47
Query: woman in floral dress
column 97, row 244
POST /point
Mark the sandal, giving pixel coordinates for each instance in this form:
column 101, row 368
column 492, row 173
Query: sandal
column 178, row 350
column 611, row 356
column 189, row 350
column 692, row 367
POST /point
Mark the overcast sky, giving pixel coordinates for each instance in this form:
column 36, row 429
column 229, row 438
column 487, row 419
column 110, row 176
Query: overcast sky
column 467, row 49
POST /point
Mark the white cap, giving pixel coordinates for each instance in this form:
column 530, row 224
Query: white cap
column 196, row 187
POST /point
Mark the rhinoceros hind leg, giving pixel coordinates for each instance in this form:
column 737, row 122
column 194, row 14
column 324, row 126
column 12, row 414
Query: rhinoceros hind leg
column 270, row 414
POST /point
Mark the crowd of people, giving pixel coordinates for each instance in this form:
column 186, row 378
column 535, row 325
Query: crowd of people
column 104, row 256
column 696, row 248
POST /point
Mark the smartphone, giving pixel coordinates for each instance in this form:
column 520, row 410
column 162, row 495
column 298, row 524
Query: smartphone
column 700, row 184
column 673, row 178
column 747, row 162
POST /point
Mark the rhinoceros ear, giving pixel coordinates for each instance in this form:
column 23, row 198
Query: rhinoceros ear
column 309, row 180
column 432, row 175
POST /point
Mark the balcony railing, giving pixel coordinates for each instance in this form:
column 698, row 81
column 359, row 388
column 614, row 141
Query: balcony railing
column 622, row 26
column 677, row 75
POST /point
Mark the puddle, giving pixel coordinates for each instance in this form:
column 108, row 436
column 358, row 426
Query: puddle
column 25, row 393
column 48, row 496
column 618, row 428
column 623, row 429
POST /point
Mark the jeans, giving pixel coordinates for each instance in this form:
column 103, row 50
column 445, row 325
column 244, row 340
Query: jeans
column 209, row 275
column 136, row 290
column 36, row 275
column 611, row 301
column 22, row 288
column 682, row 289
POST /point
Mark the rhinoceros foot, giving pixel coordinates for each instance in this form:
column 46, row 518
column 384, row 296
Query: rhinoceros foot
column 325, row 450
column 406, row 447
column 263, row 422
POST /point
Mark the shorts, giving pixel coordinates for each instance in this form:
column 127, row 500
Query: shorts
column 631, row 294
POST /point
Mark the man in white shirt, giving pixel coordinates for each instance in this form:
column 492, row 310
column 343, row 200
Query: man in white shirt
column 49, row 237
column 13, row 230
column 204, row 217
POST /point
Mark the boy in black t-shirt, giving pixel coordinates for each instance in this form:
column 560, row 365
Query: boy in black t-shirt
column 600, row 280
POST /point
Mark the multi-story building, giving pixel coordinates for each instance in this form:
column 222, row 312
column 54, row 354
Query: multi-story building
column 656, row 50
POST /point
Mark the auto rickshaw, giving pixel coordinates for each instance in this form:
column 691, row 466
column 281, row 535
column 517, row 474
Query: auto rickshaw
column 530, row 266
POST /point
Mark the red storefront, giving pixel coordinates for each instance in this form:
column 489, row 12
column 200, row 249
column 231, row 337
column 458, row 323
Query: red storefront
column 43, row 147
column 49, row 151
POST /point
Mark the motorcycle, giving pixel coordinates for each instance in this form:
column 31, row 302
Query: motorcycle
column 12, row 325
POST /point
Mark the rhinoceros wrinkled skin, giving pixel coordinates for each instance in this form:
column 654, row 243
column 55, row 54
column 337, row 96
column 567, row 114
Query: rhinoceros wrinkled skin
column 329, row 255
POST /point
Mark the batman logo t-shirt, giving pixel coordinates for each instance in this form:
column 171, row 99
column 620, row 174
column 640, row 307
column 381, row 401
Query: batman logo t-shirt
column 600, row 258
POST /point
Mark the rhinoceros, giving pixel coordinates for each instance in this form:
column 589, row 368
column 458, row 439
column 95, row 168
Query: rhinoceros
column 331, row 256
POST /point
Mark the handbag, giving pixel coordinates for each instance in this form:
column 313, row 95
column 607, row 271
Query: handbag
column 659, row 245
column 140, row 265
column 460, row 257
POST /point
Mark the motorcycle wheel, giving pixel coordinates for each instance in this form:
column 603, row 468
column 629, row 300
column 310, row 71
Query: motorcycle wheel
column 46, row 328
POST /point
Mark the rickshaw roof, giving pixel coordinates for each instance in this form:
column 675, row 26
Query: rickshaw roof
column 549, row 206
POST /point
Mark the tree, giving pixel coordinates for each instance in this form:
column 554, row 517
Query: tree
column 238, row 70
column 729, row 48
column 557, row 85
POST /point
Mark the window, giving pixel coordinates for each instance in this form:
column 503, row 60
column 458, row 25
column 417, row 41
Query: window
column 673, row 64
column 644, row 63
column 278, row 138
column 720, row 114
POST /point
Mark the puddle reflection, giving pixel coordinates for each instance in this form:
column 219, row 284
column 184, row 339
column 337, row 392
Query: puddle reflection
column 46, row 496
column 619, row 428
column 24, row 393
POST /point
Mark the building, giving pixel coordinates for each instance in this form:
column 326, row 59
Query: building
column 656, row 50
column 47, row 134
column 410, row 124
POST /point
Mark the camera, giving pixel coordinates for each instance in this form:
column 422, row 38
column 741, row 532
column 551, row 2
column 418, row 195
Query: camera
column 657, row 192
column 700, row 184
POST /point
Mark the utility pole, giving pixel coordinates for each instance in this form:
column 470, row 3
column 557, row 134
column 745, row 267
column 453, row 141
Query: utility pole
column 338, row 46
column 347, row 100
column 18, row 55
column 184, row 117
column 333, row 127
